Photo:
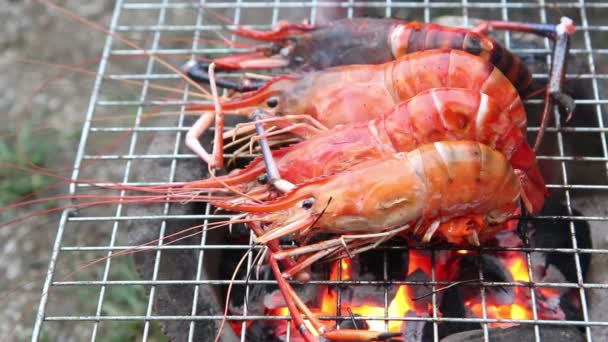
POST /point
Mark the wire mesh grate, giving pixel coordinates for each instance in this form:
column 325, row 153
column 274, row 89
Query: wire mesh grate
column 576, row 153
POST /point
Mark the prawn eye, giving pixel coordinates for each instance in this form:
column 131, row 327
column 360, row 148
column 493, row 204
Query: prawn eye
column 263, row 179
column 307, row 203
column 272, row 102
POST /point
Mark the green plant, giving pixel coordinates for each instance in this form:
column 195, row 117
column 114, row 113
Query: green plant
column 36, row 148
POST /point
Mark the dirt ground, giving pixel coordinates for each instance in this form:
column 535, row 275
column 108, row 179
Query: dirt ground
column 30, row 31
column 33, row 36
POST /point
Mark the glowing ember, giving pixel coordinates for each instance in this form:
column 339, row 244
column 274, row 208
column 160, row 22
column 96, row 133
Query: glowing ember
column 419, row 260
column 520, row 309
column 398, row 307
column 400, row 304
column 518, row 266
column 547, row 292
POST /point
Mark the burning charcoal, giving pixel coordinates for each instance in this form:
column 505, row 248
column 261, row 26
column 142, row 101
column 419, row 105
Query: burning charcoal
column 360, row 295
column 420, row 291
column 548, row 304
column 364, row 267
column 262, row 330
column 413, row 330
column 520, row 333
column 397, row 262
column 354, row 323
column 372, row 263
column 308, row 293
column 493, row 271
column 571, row 310
column 559, row 267
column 505, row 238
column 452, row 306
column 274, row 300
column 255, row 303
column 369, row 265
column 556, row 234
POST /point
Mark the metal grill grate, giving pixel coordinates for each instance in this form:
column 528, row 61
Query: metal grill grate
column 560, row 154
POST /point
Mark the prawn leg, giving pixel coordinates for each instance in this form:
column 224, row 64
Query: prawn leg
column 287, row 292
column 275, row 248
column 311, row 126
column 554, row 90
column 194, row 133
column 297, row 308
column 272, row 170
column 299, row 129
column 218, row 141
column 350, row 249
column 215, row 160
column 350, row 244
column 560, row 34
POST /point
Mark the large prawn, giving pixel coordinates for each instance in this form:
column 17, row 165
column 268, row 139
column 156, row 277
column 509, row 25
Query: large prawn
column 375, row 41
column 348, row 94
column 454, row 188
column 433, row 115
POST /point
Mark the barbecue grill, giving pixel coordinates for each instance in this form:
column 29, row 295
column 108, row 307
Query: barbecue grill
column 574, row 156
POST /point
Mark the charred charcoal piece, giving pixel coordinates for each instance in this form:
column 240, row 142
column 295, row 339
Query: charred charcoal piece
column 261, row 330
column 573, row 312
column 493, row 271
column 397, row 262
column 556, row 234
column 452, row 306
column 413, row 330
column 176, row 299
column 492, row 268
column 420, row 291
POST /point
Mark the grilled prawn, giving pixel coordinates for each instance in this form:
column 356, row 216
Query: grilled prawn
column 375, row 41
column 426, row 187
column 355, row 93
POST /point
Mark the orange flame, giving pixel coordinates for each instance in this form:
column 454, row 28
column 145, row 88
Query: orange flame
column 517, row 265
column 398, row 307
